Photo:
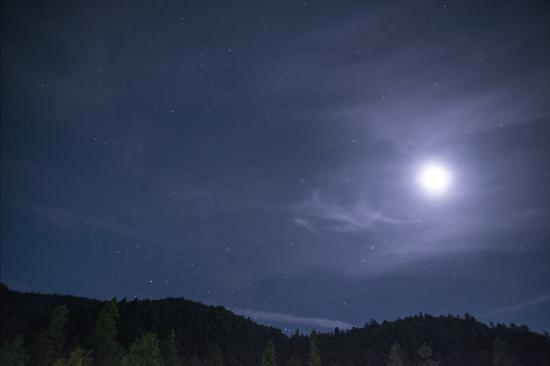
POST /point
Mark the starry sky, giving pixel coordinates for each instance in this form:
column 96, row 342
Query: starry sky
column 263, row 156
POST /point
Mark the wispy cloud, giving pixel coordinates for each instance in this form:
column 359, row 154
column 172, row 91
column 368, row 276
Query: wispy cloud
column 319, row 212
column 304, row 223
column 292, row 319
column 545, row 297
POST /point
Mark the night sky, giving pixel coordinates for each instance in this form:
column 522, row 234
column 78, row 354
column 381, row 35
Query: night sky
column 268, row 156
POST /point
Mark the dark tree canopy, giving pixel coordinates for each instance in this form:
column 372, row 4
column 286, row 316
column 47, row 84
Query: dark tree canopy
column 74, row 331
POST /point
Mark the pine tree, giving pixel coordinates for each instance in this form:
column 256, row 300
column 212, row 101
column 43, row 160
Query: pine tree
column 169, row 350
column 13, row 353
column 425, row 354
column 395, row 357
column 51, row 343
column 107, row 351
column 314, row 353
column 78, row 357
column 503, row 354
column 268, row 356
column 59, row 362
column 294, row 361
column 55, row 328
column 145, row 351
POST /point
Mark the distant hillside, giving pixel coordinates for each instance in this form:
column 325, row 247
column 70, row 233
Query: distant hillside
column 207, row 335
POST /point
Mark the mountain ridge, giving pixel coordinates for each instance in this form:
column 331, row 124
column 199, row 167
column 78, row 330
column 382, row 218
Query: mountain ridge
column 207, row 334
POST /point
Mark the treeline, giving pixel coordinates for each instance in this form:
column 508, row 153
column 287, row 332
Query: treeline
column 38, row 329
column 104, row 349
column 204, row 334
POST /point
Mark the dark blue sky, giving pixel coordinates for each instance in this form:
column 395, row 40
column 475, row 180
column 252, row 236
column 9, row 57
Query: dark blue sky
column 263, row 156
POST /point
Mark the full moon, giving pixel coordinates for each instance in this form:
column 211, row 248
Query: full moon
column 434, row 178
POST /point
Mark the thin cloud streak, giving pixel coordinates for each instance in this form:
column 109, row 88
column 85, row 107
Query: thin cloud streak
column 519, row 306
column 291, row 318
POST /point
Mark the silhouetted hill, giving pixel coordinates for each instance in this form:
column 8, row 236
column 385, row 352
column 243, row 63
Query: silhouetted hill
column 199, row 328
column 208, row 335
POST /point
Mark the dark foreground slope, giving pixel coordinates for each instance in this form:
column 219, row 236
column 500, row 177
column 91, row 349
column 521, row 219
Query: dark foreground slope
column 208, row 335
column 201, row 330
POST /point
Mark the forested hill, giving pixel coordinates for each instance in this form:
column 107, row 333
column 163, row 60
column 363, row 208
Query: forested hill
column 200, row 330
column 38, row 329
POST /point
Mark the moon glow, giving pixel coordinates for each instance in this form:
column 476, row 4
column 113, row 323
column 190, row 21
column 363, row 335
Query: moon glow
column 434, row 178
